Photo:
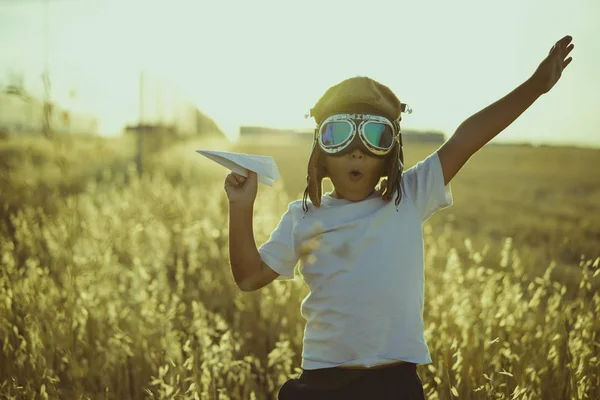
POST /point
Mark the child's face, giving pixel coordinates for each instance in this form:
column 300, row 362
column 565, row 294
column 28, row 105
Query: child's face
column 349, row 185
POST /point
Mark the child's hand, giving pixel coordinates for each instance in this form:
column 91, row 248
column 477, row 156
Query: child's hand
column 550, row 70
column 241, row 191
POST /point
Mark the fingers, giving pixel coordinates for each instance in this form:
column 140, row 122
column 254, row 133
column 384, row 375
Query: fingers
column 237, row 180
column 234, row 179
column 570, row 47
column 565, row 45
column 252, row 175
column 565, row 41
column 567, row 61
column 562, row 43
column 561, row 50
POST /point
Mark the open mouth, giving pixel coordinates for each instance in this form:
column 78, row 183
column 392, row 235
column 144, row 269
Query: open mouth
column 355, row 174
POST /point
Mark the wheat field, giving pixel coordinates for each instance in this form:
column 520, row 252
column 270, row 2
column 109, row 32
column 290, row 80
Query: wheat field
column 115, row 286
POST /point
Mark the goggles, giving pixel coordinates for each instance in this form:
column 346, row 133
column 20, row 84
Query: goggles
column 378, row 134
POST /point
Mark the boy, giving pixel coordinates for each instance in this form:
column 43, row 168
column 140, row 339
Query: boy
column 364, row 332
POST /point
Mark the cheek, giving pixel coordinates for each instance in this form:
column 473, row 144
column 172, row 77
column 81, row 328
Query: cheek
column 331, row 165
column 380, row 166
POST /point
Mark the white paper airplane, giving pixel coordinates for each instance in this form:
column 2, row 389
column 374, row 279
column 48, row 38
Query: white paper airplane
column 240, row 163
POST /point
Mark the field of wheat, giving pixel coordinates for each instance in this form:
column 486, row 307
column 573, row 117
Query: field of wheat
column 116, row 286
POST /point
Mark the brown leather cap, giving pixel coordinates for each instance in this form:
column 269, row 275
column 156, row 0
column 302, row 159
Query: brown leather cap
column 359, row 90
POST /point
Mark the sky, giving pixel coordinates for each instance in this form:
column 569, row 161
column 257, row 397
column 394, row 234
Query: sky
column 268, row 62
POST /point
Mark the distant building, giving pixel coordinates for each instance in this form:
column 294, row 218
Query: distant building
column 150, row 128
column 190, row 122
column 262, row 130
column 21, row 113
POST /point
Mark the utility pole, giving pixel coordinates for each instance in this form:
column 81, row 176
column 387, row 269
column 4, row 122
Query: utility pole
column 47, row 110
column 140, row 126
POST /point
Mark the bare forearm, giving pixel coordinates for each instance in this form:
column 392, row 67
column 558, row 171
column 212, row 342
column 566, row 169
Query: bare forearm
column 243, row 253
column 483, row 126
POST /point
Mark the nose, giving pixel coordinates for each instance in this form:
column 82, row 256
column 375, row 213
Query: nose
column 357, row 153
column 355, row 149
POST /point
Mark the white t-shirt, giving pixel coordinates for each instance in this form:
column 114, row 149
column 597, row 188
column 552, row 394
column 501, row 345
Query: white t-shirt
column 366, row 276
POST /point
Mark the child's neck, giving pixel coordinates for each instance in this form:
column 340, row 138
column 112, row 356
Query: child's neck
column 335, row 195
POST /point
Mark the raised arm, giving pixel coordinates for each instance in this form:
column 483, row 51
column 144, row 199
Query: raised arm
column 249, row 271
column 483, row 126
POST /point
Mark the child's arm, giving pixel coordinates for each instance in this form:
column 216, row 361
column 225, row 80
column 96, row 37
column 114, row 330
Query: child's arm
column 483, row 126
column 249, row 271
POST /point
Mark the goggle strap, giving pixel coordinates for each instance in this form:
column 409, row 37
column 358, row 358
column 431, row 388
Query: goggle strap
column 405, row 108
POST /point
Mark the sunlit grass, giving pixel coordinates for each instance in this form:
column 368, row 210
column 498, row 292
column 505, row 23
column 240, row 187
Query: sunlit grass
column 112, row 286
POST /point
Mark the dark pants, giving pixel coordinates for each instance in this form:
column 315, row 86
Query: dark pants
column 399, row 382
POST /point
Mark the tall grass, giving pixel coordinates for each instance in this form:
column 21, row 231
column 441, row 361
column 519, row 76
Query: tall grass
column 119, row 287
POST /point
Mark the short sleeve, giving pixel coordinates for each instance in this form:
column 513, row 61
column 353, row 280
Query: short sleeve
column 279, row 252
column 424, row 182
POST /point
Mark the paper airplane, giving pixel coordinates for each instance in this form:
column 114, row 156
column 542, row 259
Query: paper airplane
column 240, row 163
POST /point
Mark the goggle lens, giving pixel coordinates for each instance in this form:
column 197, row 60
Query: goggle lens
column 335, row 133
column 379, row 135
